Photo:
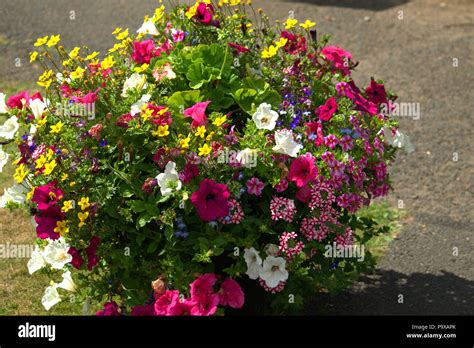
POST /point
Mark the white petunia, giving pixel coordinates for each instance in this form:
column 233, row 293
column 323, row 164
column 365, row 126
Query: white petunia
column 50, row 297
column 271, row 249
column 285, row 143
column 137, row 107
column 36, row 261
column 32, row 129
column 254, row 262
column 56, row 253
column 273, row 271
column 15, row 194
column 265, row 117
column 3, row 105
column 400, row 140
column 37, row 107
column 3, row 158
column 67, row 282
column 169, row 180
column 135, row 81
column 9, row 128
column 148, row 27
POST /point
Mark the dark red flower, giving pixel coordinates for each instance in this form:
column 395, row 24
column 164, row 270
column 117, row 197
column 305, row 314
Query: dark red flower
column 296, row 43
column 376, row 92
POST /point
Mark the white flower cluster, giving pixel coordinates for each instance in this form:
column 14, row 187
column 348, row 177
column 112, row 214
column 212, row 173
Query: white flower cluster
column 56, row 255
column 272, row 270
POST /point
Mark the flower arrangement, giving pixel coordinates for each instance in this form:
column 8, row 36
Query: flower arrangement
column 202, row 166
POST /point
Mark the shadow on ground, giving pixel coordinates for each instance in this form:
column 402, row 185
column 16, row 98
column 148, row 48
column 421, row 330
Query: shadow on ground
column 374, row 5
column 378, row 294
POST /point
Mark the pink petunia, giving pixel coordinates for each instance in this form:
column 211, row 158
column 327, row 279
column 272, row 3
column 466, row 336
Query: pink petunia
column 198, row 113
column 169, row 304
column 91, row 251
column 303, row 170
column 203, row 286
column 77, row 259
column 211, row 200
column 255, row 186
column 338, row 57
column 231, row 294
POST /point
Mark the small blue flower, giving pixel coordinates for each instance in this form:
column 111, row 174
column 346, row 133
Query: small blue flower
column 334, row 265
column 103, row 143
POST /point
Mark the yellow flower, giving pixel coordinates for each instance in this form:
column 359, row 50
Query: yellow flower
column 234, row 2
column 49, row 154
column 308, row 24
column 67, row 62
column 201, row 130
column 61, row 228
column 141, row 68
column 219, row 121
column 92, row 56
column 78, row 73
column 64, row 177
column 146, row 114
column 67, row 205
column 20, row 173
column 116, row 31
column 49, row 167
column 185, row 143
column 290, row 23
column 269, row 52
column 84, row 203
column 162, row 131
column 72, row 184
column 54, row 39
column 122, row 35
column 55, row 129
column 33, row 56
column 159, row 13
column 281, row 43
column 45, row 79
column 191, row 12
column 41, row 41
column 40, row 162
column 107, row 63
column 205, row 150
column 30, row 194
column 75, row 51
column 41, row 122
column 82, row 217
column 209, row 137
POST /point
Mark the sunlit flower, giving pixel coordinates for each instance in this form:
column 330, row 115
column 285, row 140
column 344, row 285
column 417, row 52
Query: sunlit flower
column 169, row 180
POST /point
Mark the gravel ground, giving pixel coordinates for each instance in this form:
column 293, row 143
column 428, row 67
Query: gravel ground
column 415, row 56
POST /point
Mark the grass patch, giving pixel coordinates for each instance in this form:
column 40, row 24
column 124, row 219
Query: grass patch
column 385, row 215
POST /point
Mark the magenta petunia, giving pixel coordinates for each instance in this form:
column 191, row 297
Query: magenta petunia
column 144, row 51
column 198, row 113
column 17, row 100
column 47, row 195
column 231, row 294
column 211, row 200
column 110, row 309
column 303, row 170
column 146, row 310
column 314, row 132
column 205, row 306
column 326, row 111
column 203, row 286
